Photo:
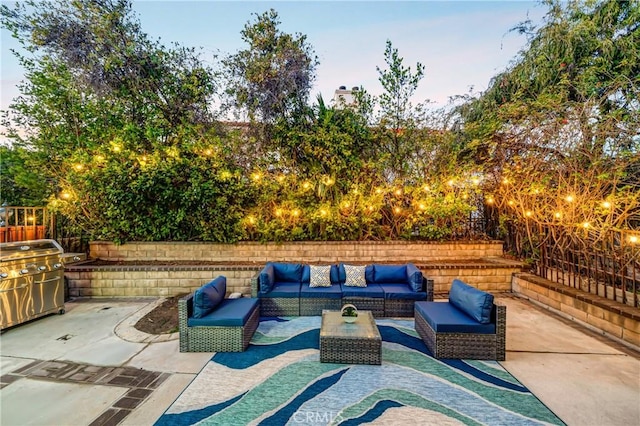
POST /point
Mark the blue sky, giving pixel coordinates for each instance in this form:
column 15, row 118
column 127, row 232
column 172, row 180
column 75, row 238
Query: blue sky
column 462, row 44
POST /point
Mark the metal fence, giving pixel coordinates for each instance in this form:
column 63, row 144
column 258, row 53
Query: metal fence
column 605, row 263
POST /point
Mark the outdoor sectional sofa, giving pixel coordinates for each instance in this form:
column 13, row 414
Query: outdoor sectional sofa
column 295, row 289
column 468, row 326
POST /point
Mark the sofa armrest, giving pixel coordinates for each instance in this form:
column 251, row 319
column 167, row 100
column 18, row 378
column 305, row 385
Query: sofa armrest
column 185, row 310
column 428, row 288
column 255, row 284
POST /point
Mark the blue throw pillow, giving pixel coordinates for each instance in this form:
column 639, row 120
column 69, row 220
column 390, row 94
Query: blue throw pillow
column 475, row 303
column 207, row 297
column 288, row 272
column 415, row 277
column 387, row 274
column 266, row 278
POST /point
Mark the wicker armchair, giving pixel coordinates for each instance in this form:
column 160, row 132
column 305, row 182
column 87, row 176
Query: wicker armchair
column 466, row 345
column 213, row 338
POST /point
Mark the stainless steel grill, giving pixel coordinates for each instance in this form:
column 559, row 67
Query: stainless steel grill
column 32, row 280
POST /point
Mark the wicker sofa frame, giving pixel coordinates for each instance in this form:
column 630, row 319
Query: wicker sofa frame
column 466, row 345
column 311, row 306
column 213, row 338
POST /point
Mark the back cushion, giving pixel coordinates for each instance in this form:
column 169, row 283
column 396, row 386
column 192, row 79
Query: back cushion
column 415, row 277
column 475, row 303
column 288, row 272
column 338, row 274
column 207, row 297
column 387, row 274
column 266, row 278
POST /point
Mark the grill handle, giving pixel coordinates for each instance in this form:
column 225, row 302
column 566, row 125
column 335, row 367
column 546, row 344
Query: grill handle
column 14, row 288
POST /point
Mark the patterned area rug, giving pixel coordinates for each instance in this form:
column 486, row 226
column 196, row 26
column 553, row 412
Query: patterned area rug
column 279, row 380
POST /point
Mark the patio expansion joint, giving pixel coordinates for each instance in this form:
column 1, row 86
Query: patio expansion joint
column 140, row 383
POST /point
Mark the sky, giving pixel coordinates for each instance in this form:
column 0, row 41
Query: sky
column 462, row 44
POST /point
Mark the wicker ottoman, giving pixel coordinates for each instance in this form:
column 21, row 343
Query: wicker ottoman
column 356, row 343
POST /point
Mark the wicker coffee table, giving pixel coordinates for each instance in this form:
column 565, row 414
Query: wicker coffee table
column 356, row 343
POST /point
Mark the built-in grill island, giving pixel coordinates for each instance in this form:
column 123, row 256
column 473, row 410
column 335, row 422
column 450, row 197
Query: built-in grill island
column 32, row 280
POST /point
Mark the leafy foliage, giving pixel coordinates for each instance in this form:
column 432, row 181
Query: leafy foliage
column 271, row 79
column 557, row 133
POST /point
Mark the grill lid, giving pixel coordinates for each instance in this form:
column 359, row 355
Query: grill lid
column 20, row 250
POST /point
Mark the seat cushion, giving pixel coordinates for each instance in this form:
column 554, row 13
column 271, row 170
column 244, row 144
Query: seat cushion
column 443, row 317
column 331, row 292
column 401, row 292
column 230, row 313
column 209, row 296
column 286, row 290
column 372, row 290
column 476, row 303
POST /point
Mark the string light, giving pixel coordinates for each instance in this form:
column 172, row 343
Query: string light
column 278, row 212
column 65, row 195
column 558, row 215
column 425, row 188
column 306, row 185
column 421, row 206
column 78, row 167
column 490, row 200
column 251, row 220
column 208, row 152
column 323, row 212
column 398, row 192
column 256, row 176
column 606, row 204
column 295, row 213
column 569, row 198
column 450, row 182
column 475, row 181
column 397, row 210
column 378, row 190
column 633, row 239
column 586, row 225
column 528, row 213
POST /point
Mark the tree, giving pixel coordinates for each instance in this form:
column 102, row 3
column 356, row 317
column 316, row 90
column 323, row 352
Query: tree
column 121, row 126
column 272, row 78
column 557, row 131
column 398, row 119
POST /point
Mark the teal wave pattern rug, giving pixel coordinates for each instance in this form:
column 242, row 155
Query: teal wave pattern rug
column 279, row 380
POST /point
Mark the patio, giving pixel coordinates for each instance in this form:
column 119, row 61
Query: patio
column 106, row 372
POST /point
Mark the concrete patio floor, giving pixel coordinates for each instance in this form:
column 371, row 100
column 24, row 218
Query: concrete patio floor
column 91, row 367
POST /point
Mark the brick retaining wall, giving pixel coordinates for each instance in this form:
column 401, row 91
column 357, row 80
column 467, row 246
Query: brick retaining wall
column 322, row 251
column 610, row 318
column 170, row 280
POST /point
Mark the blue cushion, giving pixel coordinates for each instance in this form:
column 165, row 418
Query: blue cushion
column 287, row 272
column 230, row 313
column 369, row 274
column 337, row 275
column 371, row 290
column 306, row 274
column 389, row 274
column 291, row 290
column 333, row 292
column 401, row 292
column 266, row 278
column 207, row 297
column 443, row 317
column 415, row 277
column 475, row 303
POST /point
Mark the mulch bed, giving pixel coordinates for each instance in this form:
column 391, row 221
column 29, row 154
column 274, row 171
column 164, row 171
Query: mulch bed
column 161, row 320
